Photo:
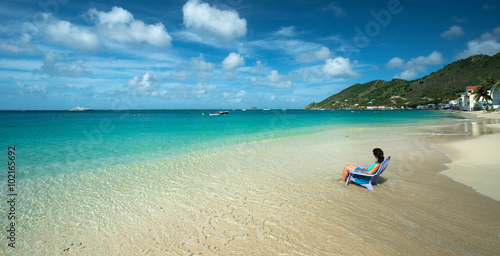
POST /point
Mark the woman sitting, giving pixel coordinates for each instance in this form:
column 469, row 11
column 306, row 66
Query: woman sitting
column 379, row 155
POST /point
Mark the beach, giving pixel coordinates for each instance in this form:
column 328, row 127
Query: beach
column 474, row 153
column 271, row 197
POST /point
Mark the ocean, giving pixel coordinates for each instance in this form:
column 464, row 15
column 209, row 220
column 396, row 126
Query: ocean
column 181, row 182
column 55, row 142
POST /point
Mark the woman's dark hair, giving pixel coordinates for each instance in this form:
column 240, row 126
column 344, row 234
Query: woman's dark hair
column 377, row 152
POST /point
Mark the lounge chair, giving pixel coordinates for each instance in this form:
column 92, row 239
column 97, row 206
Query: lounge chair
column 369, row 179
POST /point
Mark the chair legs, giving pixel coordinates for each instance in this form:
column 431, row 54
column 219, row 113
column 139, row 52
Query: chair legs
column 368, row 185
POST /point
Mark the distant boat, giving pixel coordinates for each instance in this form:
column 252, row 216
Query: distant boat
column 219, row 113
column 78, row 108
column 266, row 108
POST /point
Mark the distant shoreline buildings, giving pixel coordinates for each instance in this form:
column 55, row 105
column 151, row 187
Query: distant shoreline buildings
column 468, row 102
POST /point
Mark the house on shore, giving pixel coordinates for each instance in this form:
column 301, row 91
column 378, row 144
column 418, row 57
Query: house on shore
column 495, row 95
column 468, row 102
column 467, row 99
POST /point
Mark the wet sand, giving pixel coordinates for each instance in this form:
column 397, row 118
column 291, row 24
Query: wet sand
column 475, row 162
column 473, row 152
column 269, row 198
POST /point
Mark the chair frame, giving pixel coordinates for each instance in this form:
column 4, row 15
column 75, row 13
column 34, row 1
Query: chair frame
column 373, row 180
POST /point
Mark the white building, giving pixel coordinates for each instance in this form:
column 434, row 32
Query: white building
column 466, row 99
column 495, row 95
column 467, row 102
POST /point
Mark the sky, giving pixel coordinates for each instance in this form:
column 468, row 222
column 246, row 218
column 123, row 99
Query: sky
column 224, row 54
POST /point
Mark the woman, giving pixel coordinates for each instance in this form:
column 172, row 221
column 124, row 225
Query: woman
column 379, row 155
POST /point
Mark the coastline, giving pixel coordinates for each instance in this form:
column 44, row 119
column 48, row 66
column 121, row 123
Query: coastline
column 473, row 152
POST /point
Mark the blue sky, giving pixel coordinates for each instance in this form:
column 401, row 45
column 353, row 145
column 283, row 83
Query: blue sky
column 57, row 54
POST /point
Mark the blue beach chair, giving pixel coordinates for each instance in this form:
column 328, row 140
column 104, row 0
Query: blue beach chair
column 367, row 180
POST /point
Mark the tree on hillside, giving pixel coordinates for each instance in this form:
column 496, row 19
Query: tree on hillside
column 482, row 93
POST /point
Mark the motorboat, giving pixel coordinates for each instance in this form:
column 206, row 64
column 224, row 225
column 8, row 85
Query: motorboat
column 219, row 113
column 78, row 108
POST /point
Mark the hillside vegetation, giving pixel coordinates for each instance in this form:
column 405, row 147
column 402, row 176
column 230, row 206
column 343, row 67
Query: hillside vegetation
column 445, row 83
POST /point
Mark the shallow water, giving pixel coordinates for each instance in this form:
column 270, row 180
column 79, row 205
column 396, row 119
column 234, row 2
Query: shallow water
column 55, row 142
column 276, row 196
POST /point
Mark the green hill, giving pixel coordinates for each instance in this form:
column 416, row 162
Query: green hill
column 445, row 83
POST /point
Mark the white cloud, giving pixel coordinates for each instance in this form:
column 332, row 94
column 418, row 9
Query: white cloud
column 202, row 38
column 489, row 7
column 323, row 53
column 408, row 74
column 34, row 90
column 259, row 67
column 304, row 57
column 335, row 9
column 241, row 93
column 196, row 68
column 231, row 97
column 204, row 70
column 70, row 35
column 199, row 63
column 395, row 62
column 279, row 81
column 435, row 58
column 181, row 75
column 53, row 67
column 413, row 67
column 453, row 32
column 146, row 84
column 188, row 91
column 210, row 21
column 274, row 77
column 233, row 61
column 117, row 15
column 317, row 55
column 178, row 91
column 120, row 25
column 340, row 68
column 284, row 84
column 287, row 31
column 18, row 46
column 487, row 44
column 291, row 47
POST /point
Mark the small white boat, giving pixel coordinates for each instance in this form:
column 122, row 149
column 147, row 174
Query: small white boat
column 219, row 113
column 78, row 108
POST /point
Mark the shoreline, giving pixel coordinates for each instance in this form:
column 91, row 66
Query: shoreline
column 472, row 152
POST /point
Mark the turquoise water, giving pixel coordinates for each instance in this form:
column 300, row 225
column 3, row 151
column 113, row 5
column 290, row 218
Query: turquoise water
column 55, row 142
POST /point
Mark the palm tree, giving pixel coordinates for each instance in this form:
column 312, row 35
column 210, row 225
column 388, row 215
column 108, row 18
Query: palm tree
column 483, row 92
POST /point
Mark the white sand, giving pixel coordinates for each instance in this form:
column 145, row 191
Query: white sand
column 476, row 163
